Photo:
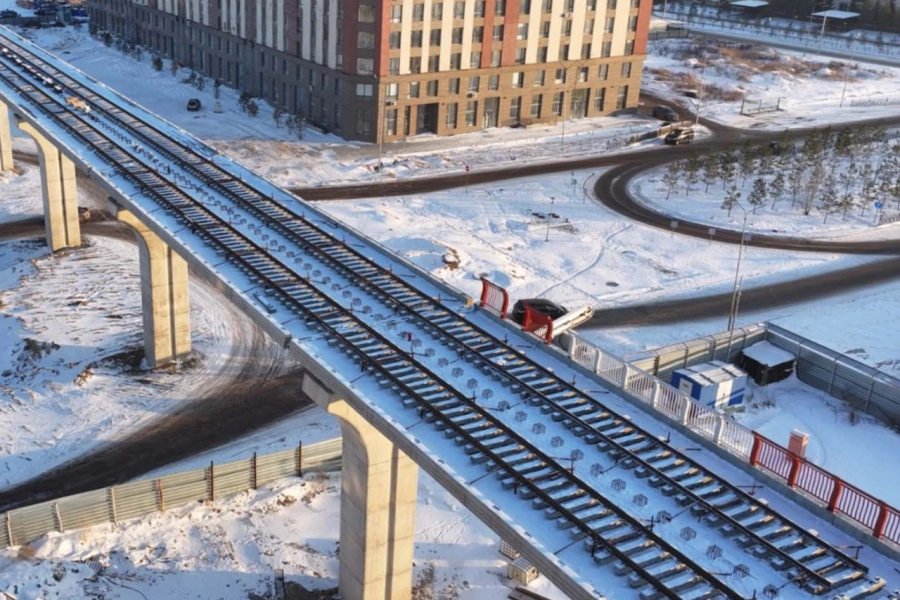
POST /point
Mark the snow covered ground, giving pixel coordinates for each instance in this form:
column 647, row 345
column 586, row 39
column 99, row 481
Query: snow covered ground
column 586, row 255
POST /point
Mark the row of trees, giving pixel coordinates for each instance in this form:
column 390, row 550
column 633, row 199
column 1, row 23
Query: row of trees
column 246, row 103
column 832, row 171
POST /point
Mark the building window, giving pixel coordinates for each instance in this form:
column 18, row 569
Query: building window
column 415, row 64
column 434, row 63
column 622, row 99
column 566, row 30
column 599, row 99
column 542, row 54
column 545, row 29
column 415, row 38
column 459, row 10
column 432, row 88
column 366, row 13
column 635, row 3
column 390, row 122
column 392, row 90
column 611, row 5
column 603, row 72
column 452, row 109
column 518, row 79
column 515, row 108
column 364, row 90
column 393, row 39
column 564, row 52
column 365, row 66
column 538, row 79
column 522, row 32
column 418, row 12
column 560, row 75
column 548, row 6
column 437, row 11
column 413, row 89
column 479, row 9
column 605, row 49
column 474, row 83
column 520, row 56
column 494, row 82
column 585, row 51
column 610, row 24
column 629, row 48
column 453, row 86
column 457, row 35
column 524, row 7
column 536, row 105
column 632, row 23
column 435, row 37
column 478, row 34
column 363, row 125
column 626, row 70
column 582, row 74
column 471, row 112
column 456, row 61
column 495, row 58
column 475, row 60
column 500, row 8
column 498, row 33
column 556, row 109
column 393, row 66
column 588, row 26
column 591, row 5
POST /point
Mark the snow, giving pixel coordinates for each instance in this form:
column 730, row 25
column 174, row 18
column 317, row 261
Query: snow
column 765, row 353
column 588, row 255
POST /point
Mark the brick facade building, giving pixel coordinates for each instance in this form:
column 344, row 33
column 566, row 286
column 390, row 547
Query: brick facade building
column 380, row 70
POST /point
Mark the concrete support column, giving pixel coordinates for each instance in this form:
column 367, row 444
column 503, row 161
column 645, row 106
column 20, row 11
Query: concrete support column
column 164, row 296
column 6, row 159
column 58, row 187
column 378, row 511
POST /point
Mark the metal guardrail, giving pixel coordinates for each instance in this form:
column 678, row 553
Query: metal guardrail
column 142, row 497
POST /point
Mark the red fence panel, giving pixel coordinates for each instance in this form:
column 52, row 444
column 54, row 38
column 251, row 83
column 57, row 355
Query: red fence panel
column 495, row 297
column 774, row 458
column 859, row 506
column 815, row 481
column 892, row 525
column 538, row 323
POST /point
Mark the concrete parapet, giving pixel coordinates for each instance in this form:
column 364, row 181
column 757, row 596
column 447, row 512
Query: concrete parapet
column 59, row 192
column 378, row 509
column 164, row 296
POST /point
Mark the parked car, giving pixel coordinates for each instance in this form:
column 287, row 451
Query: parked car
column 8, row 14
column 193, row 104
column 680, row 135
column 665, row 113
column 541, row 305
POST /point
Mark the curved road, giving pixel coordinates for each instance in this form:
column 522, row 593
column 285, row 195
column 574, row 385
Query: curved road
column 227, row 410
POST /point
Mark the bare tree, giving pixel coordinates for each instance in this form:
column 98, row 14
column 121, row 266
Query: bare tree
column 758, row 194
column 731, row 198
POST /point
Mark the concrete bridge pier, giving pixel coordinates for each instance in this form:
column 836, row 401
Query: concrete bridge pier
column 378, row 511
column 164, row 296
column 58, row 187
column 6, row 157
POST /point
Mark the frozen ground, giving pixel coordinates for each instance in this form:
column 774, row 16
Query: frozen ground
column 594, row 257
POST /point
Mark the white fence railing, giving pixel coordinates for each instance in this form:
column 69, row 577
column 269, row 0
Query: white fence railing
column 119, row 503
column 663, row 398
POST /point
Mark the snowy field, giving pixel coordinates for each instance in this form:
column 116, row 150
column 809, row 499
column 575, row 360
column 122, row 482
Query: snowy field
column 585, row 256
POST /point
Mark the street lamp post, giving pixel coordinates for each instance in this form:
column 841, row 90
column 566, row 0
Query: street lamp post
column 737, row 271
column 565, row 101
column 379, row 115
column 700, row 95
column 850, row 66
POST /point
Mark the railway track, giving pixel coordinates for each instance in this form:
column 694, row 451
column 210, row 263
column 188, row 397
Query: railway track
column 336, row 297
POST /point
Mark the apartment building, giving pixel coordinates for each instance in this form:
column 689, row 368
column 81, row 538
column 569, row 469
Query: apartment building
column 381, row 70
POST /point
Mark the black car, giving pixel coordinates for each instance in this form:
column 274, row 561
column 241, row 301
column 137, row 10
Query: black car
column 665, row 113
column 541, row 305
column 680, row 135
column 193, row 105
